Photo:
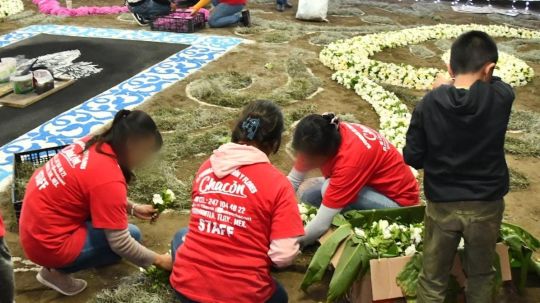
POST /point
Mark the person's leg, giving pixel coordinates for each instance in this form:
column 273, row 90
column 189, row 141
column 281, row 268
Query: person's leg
column 156, row 9
column 280, row 295
column 481, row 233
column 178, row 240
column 441, row 239
column 224, row 15
column 96, row 251
column 6, row 274
column 310, row 191
column 369, row 198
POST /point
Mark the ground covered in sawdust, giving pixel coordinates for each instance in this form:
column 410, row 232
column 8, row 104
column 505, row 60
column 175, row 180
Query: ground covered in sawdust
column 282, row 64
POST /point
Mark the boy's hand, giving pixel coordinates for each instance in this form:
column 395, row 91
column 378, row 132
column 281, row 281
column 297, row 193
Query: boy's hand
column 442, row 79
column 173, row 6
column 194, row 10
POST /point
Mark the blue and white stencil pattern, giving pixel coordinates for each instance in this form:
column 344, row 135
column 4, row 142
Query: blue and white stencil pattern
column 97, row 111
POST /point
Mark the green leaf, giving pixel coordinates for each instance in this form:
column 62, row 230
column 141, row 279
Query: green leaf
column 521, row 247
column 352, row 265
column 339, row 220
column 407, row 279
column 406, row 215
column 323, row 256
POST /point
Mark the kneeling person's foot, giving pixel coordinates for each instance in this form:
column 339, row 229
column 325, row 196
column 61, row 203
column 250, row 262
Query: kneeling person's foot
column 140, row 19
column 246, row 18
column 288, row 4
column 61, row 282
column 280, row 8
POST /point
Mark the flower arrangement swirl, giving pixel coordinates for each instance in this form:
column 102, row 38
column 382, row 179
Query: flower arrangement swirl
column 10, row 7
column 356, row 70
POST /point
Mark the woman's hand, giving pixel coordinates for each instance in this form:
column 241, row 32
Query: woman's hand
column 164, row 261
column 144, row 211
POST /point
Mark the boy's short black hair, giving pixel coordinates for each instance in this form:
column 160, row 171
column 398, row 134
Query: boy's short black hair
column 471, row 51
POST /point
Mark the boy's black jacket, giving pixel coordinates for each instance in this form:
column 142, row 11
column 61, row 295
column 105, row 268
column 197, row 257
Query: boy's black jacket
column 457, row 137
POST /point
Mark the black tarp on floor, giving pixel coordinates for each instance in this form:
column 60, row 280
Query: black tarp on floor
column 120, row 60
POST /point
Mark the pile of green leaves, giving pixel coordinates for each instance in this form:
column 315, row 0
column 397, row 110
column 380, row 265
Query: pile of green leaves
column 354, row 261
column 522, row 245
column 362, row 238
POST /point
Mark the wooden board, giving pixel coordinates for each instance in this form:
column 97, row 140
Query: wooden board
column 6, row 88
column 20, row 101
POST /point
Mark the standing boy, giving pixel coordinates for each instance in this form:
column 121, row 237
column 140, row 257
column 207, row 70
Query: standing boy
column 457, row 136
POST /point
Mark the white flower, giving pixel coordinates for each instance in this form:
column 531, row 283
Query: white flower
column 360, row 232
column 304, row 217
column 386, row 234
column 410, row 250
column 461, row 243
column 383, row 224
column 302, row 208
column 157, row 199
column 170, row 195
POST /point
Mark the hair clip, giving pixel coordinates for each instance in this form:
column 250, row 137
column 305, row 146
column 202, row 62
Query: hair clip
column 333, row 119
column 251, row 125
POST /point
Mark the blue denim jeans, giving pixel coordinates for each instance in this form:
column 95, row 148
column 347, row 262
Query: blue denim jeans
column 150, row 9
column 96, row 251
column 279, row 296
column 224, row 14
column 368, row 198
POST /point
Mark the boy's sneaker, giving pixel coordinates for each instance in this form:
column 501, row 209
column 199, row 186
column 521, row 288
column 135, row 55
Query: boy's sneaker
column 61, row 282
column 139, row 19
column 280, row 8
column 246, row 18
column 288, row 4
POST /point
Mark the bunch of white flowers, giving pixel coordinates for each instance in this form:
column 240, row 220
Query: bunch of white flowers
column 391, row 240
column 10, row 7
column 356, row 70
column 164, row 200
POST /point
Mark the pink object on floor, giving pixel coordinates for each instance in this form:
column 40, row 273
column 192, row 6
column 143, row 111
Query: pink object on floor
column 53, row 7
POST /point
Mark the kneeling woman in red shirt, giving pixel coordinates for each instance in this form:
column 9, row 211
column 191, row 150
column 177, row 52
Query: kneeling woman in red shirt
column 75, row 209
column 361, row 170
column 244, row 218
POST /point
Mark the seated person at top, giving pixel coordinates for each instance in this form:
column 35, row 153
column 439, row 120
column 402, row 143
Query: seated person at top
column 361, row 170
column 144, row 11
column 75, row 210
column 244, row 218
column 225, row 12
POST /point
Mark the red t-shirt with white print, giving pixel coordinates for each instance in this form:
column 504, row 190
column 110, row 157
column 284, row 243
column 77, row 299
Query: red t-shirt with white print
column 2, row 229
column 366, row 158
column 233, row 220
column 74, row 187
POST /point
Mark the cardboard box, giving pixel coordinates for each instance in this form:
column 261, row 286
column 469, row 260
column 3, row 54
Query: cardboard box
column 380, row 283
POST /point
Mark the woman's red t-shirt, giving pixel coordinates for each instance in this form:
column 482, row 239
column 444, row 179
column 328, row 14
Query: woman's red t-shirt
column 233, row 220
column 366, row 158
column 74, row 187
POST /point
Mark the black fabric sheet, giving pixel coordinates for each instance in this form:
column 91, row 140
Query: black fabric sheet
column 119, row 59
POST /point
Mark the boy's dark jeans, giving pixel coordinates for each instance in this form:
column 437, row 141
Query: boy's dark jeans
column 6, row 274
column 478, row 222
